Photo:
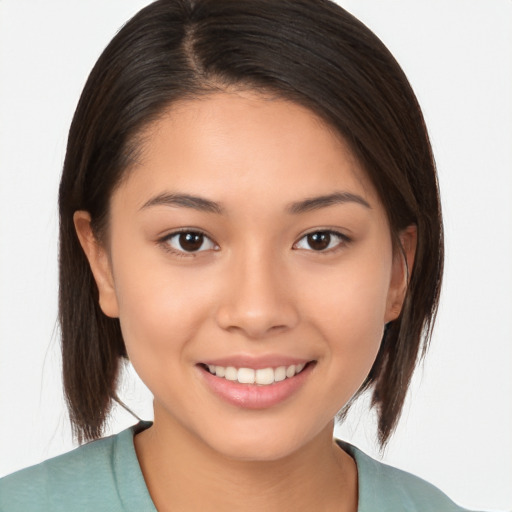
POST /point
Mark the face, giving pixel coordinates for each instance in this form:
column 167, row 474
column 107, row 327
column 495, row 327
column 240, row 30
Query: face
column 250, row 264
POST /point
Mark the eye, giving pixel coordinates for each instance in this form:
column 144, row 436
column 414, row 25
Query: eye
column 322, row 241
column 188, row 242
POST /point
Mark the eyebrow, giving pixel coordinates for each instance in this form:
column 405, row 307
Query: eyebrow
column 315, row 203
column 185, row 201
column 206, row 205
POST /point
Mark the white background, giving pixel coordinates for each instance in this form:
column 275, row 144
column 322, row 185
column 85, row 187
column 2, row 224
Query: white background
column 457, row 426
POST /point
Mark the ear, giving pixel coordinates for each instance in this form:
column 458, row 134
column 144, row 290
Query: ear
column 403, row 261
column 99, row 262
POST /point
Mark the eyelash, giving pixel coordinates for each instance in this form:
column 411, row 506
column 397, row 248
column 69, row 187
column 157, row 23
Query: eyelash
column 344, row 240
column 164, row 241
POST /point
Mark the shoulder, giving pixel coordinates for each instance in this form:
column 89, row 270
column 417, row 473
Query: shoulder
column 43, row 487
column 388, row 489
column 87, row 478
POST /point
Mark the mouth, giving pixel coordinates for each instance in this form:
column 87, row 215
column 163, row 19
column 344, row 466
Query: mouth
column 258, row 376
column 255, row 388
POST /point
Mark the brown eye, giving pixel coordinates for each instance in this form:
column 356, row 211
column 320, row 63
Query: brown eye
column 322, row 241
column 189, row 242
column 319, row 241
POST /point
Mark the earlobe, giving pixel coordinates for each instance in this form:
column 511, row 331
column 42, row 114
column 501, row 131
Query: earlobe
column 403, row 261
column 99, row 262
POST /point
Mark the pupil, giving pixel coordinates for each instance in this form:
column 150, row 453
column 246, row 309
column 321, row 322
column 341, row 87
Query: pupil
column 319, row 241
column 191, row 241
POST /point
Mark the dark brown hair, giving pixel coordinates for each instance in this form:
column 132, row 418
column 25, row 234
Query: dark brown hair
column 309, row 51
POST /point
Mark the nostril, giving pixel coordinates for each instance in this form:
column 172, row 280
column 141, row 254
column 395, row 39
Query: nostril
column 256, row 309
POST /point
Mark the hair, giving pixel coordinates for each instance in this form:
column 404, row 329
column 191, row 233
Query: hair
column 311, row 52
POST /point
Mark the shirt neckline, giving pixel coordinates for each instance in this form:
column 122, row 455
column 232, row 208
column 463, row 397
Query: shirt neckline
column 134, row 493
column 132, row 488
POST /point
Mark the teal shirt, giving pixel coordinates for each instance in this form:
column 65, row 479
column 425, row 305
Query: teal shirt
column 105, row 476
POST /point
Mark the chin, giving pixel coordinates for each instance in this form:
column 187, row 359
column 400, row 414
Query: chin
column 257, row 444
column 264, row 451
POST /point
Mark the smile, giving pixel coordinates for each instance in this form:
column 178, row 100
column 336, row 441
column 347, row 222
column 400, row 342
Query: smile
column 267, row 385
column 260, row 376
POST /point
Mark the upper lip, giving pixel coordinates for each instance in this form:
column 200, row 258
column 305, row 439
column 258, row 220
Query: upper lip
column 256, row 362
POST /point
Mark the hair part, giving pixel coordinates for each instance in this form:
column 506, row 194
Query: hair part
column 311, row 52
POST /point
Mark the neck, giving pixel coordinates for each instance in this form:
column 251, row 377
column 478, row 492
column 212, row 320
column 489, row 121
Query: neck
column 183, row 473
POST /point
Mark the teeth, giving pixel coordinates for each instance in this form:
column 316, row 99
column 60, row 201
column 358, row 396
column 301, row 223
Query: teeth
column 290, row 371
column 246, row 375
column 280, row 373
column 231, row 373
column 261, row 376
column 265, row 376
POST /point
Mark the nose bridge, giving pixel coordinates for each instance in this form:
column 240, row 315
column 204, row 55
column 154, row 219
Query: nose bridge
column 257, row 298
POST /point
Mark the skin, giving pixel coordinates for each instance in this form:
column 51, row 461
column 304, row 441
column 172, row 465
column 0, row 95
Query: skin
column 256, row 287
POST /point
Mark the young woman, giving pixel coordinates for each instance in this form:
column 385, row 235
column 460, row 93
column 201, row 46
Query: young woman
column 249, row 213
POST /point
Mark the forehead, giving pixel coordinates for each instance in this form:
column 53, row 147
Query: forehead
column 244, row 145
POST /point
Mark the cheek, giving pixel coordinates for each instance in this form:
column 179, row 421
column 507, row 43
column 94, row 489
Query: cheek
column 352, row 297
column 159, row 307
column 160, row 314
column 348, row 309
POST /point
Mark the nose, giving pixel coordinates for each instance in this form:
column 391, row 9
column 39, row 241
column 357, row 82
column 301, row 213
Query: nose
column 258, row 298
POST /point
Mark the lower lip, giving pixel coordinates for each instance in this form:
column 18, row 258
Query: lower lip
column 252, row 396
